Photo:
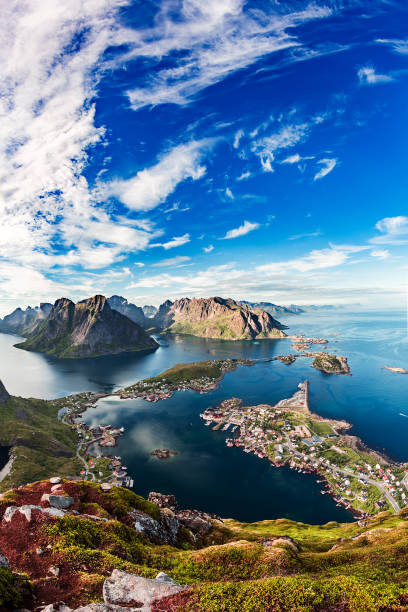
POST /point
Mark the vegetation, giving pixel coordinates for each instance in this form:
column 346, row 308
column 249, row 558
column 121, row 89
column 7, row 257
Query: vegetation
column 42, row 445
column 184, row 372
column 277, row 565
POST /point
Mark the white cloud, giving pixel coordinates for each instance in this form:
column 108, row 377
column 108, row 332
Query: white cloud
column 286, row 137
column 328, row 165
column 208, row 249
column 398, row 45
column 138, row 264
column 175, row 242
column 47, row 132
column 243, row 176
column 238, row 135
column 295, row 159
column 305, row 235
column 229, row 193
column 172, row 261
column 241, row 230
column 368, row 76
column 317, row 259
column 380, row 253
column 212, row 40
column 151, row 186
column 394, row 231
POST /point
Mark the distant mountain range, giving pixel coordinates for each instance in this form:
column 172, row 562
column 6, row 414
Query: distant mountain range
column 102, row 326
column 89, row 328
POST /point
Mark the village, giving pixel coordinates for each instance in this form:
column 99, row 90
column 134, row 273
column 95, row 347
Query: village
column 289, row 434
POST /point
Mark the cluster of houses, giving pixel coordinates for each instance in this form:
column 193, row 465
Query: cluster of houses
column 282, row 434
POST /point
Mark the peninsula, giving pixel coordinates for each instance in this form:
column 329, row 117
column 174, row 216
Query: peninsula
column 287, row 433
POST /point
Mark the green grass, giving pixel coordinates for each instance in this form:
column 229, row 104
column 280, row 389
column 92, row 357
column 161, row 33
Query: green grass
column 43, row 446
column 185, row 372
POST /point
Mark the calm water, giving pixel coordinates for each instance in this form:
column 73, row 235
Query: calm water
column 207, row 474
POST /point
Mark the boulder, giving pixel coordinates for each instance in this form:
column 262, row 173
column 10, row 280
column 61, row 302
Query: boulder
column 27, row 512
column 198, row 522
column 55, row 480
column 163, row 501
column 161, row 532
column 122, row 588
column 61, row 502
column 105, row 486
column 4, row 562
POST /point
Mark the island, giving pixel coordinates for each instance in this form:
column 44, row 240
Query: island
column 393, row 369
column 163, row 453
column 287, row 433
column 330, row 364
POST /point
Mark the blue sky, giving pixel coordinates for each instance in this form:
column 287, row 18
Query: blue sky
column 254, row 150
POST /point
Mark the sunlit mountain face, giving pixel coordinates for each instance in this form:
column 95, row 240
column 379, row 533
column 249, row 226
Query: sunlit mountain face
column 254, row 150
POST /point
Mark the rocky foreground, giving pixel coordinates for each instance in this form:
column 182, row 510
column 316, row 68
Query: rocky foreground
column 69, row 545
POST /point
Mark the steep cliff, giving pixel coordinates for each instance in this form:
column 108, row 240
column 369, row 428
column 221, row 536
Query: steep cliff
column 217, row 318
column 89, row 328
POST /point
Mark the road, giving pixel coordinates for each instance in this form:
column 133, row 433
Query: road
column 375, row 483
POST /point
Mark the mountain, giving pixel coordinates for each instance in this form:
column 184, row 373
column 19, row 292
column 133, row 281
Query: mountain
column 89, row 328
column 216, row 318
column 129, row 310
column 67, row 544
column 24, row 322
column 149, row 311
column 274, row 308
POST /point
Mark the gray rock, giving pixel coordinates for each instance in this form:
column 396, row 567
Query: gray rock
column 54, row 570
column 160, row 532
column 55, row 480
column 61, row 502
column 162, row 500
column 27, row 512
column 101, row 607
column 127, row 589
column 59, row 606
column 4, row 562
column 163, row 577
column 105, row 486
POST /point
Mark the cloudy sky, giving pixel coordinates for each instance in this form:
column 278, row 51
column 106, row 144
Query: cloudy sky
column 160, row 149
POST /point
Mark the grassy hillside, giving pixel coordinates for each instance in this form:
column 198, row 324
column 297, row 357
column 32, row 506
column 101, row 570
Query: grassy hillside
column 42, row 444
column 269, row 566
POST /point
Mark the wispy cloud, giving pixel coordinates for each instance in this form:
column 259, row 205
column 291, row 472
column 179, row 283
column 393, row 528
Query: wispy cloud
column 380, row 253
column 237, row 138
column 317, row 259
column 229, row 193
column 175, row 242
column 213, row 40
column 172, row 261
column 368, row 76
column 151, row 186
column 394, row 231
column 243, row 229
column 208, row 249
column 398, row 45
column 296, row 159
column 305, row 235
column 328, row 166
column 244, row 176
column 284, row 138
